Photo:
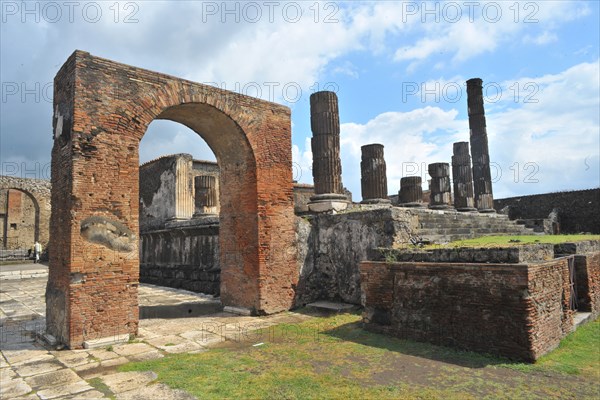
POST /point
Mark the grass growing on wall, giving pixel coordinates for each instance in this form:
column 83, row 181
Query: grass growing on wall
column 505, row 241
column 333, row 357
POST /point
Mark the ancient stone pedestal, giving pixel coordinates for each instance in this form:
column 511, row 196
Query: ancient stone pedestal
column 440, row 197
column 462, row 177
column 205, row 199
column 325, row 144
column 411, row 192
column 482, row 181
column 373, row 177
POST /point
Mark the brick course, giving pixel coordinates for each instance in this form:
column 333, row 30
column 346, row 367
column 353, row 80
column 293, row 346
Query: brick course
column 520, row 311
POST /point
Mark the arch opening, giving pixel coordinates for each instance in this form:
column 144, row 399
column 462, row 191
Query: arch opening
column 92, row 290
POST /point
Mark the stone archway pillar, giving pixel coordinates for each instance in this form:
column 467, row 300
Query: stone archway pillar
column 101, row 111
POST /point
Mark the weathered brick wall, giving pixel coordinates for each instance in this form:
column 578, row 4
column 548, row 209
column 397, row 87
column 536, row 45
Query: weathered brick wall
column 512, row 310
column 24, row 212
column 579, row 209
column 186, row 257
column 102, row 110
column 587, row 268
column 549, row 316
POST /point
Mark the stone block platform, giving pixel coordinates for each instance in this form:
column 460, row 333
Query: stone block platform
column 442, row 226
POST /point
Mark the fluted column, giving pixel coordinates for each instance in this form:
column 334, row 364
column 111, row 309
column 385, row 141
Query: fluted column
column 462, row 178
column 205, row 199
column 482, row 180
column 373, row 177
column 184, row 204
column 325, row 145
column 439, row 197
column 411, row 192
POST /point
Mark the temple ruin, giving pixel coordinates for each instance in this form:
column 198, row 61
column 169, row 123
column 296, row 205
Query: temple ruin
column 241, row 228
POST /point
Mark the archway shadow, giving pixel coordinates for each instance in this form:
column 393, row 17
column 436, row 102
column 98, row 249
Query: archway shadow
column 355, row 332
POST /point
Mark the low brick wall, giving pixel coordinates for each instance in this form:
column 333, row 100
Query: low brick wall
column 587, row 275
column 186, row 257
column 518, row 311
column 494, row 255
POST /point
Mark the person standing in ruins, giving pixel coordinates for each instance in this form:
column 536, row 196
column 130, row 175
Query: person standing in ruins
column 37, row 250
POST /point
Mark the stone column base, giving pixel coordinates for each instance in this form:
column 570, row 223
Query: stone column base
column 467, row 209
column 376, row 201
column 441, row 207
column 331, row 202
column 412, row 205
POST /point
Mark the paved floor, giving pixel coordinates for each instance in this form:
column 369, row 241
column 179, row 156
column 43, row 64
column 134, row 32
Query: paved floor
column 30, row 369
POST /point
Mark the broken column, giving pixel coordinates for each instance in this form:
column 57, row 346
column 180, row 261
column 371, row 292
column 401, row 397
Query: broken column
column 482, row 181
column 439, row 197
column 411, row 192
column 205, row 195
column 325, row 145
column 462, row 177
column 373, row 177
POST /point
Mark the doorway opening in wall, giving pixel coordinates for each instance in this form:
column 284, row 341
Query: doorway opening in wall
column 179, row 223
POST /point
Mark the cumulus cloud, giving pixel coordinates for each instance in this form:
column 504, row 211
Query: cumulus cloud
column 546, row 138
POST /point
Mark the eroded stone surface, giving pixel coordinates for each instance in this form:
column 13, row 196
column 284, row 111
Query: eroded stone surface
column 125, row 381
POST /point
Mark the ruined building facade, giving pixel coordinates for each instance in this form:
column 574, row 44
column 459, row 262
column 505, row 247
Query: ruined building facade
column 179, row 222
column 24, row 212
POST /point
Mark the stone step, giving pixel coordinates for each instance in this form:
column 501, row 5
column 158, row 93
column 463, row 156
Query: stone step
column 331, row 306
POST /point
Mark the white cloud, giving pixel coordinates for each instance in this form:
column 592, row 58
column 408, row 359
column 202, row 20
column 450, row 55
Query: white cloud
column 541, row 39
column 547, row 144
column 486, row 26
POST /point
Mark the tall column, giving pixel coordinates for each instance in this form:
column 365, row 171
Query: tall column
column 373, row 177
column 411, row 192
column 205, row 199
column 482, row 180
column 325, row 145
column 462, row 177
column 184, row 203
column 439, row 197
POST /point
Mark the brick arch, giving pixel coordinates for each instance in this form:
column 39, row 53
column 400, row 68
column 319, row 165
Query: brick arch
column 101, row 111
column 39, row 192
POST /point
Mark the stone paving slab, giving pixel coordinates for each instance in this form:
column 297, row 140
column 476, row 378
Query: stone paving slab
column 125, row 381
column 62, row 391
column 27, row 365
column 59, row 377
column 14, row 388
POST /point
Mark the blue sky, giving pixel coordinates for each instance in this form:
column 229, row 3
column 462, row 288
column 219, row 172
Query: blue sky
column 399, row 69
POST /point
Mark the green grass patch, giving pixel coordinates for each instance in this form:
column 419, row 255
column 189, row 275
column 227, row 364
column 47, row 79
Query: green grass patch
column 577, row 354
column 333, row 357
column 100, row 386
column 509, row 241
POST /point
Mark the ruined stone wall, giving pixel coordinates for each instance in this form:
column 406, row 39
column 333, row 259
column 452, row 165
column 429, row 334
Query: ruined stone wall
column 579, row 210
column 302, row 195
column 166, row 188
column 24, row 212
column 182, row 257
column 513, row 310
column 587, row 269
column 157, row 192
column 331, row 247
column 587, row 272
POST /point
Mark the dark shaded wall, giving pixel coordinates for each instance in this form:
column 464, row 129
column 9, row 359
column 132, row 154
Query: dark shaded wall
column 186, row 257
column 579, row 211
